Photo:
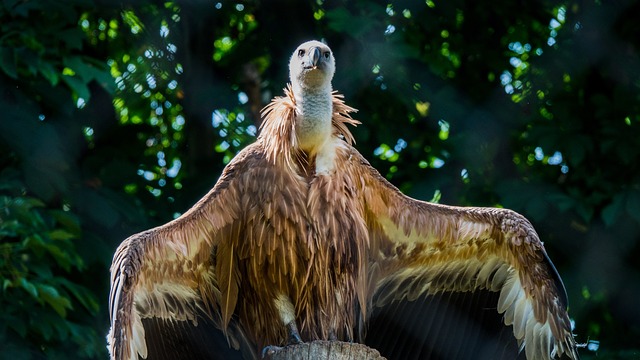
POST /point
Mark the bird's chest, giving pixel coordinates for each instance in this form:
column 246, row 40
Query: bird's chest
column 304, row 244
column 299, row 230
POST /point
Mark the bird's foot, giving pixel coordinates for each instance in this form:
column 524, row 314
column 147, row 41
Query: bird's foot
column 269, row 350
column 294, row 334
column 294, row 339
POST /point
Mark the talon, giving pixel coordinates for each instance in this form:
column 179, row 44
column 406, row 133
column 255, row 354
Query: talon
column 270, row 350
column 294, row 335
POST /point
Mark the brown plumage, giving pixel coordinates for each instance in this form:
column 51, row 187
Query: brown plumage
column 301, row 235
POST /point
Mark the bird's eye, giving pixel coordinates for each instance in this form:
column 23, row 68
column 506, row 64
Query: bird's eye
column 300, row 53
column 327, row 54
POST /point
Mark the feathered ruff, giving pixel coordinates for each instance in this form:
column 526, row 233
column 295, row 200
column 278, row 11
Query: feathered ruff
column 278, row 128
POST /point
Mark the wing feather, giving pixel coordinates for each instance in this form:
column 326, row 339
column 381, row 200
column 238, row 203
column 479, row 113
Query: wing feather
column 226, row 270
column 171, row 272
column 427, row 249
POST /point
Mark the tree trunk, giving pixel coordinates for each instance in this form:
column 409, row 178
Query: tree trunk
column 324, row 350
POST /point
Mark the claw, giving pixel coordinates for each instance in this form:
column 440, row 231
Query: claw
column 270, row 350
column 294, row 335
column 294, row 339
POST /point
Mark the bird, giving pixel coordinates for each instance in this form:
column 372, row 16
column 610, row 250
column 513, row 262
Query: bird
column 301, row 239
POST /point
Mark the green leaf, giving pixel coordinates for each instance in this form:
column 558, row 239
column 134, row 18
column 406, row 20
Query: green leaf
column 45, row 330
column 42, row 269
column 59, row 234
column 78, row 86
column 437, row 195
column 131, row 19
column 62, row 330
column 8, row 62
column 612, row 211
column 28, row 287
column 10, row 228
column 30, row 57
column 67, row 220
column 82, row 294
column 6, row 284
column 52, row 297
column 29, row 203
column 49, row 72
column 61, row 257
column 36, row 244
column 78, row 66
column 87, row 68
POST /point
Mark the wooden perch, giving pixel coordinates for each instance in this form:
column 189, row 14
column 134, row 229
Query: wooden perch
column 324, row 350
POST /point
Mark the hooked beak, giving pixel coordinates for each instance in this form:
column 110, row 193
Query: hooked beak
column 314, row 56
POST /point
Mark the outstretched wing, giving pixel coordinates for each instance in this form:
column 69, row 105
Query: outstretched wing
column 173, row 289
column 462, row 258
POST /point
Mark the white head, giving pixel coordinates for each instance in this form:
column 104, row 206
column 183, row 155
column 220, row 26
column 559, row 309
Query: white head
column 312, row 67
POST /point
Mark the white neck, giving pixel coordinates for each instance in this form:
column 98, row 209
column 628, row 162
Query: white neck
column 314, row 109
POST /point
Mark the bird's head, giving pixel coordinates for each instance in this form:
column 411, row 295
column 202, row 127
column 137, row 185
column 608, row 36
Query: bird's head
column 312, row 66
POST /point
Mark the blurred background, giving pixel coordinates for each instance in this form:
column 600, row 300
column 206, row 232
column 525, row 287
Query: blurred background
column 118, row 116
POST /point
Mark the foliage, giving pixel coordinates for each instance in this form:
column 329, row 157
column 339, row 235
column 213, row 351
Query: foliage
column 42, row 303
column 117, row 117
column 48, row 265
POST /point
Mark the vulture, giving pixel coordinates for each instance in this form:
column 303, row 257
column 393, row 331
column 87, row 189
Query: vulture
column 301, row 239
